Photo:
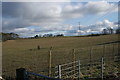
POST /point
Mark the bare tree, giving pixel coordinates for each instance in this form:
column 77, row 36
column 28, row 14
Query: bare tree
column 118, row 31
column 110, row 30
column 104, row 31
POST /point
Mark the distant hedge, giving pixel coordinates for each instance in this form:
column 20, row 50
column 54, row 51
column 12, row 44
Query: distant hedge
column 8, row 36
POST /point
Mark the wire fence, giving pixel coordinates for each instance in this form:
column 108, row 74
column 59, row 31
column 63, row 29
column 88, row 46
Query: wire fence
column 89, row 58
column 95, row 69
column 73, row 70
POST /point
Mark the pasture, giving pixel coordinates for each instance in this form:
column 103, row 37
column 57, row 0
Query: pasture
column 24, row 53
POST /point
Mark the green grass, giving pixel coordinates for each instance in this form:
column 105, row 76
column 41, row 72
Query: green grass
column 24, row 53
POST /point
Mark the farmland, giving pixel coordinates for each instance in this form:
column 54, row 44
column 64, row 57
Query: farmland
column 24, row 53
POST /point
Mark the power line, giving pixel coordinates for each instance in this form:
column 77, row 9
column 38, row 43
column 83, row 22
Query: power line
column 108, row 11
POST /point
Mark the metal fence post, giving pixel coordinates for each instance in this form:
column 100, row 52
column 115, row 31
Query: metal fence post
column 102, row 67
column 79, row 70
column 59, row 71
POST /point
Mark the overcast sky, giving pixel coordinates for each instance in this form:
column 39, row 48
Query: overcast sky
column 31, row 18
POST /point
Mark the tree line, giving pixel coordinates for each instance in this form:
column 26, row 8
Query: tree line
column 110, row 31
column 8, row 36
column 13, row 36
column 107, row 31
column 48, row 35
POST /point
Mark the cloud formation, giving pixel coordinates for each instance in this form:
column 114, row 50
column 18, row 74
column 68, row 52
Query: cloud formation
column 49, row 17
column 69, row 30
column 94, row 28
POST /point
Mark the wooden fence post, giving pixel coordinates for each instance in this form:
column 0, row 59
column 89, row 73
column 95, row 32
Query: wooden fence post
column 50, row 63
column 90, row 60
column 21, row 74
column 103, row 51
column 74, row 57
column 113, row 52
column 102, row 68
column 90, row 55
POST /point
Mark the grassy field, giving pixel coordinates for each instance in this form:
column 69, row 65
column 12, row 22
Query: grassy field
column 24, row 53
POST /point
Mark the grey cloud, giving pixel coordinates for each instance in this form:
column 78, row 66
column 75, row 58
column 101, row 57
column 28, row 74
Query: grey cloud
column 12, row 9
column 26, row 14
column 47, row 16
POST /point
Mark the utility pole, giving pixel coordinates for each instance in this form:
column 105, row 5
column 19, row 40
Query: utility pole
column 79, row 30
